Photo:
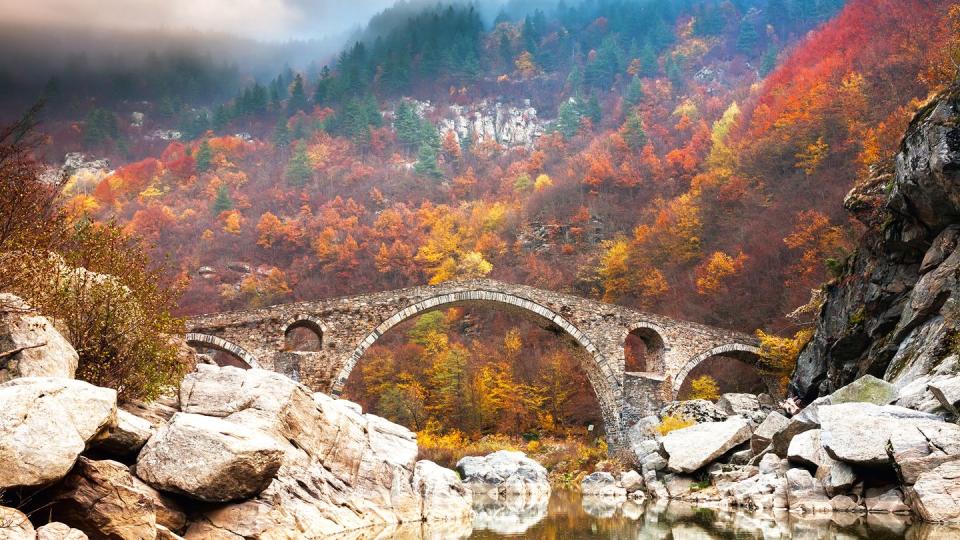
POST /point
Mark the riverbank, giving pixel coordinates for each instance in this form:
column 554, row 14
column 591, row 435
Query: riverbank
column 567, row 460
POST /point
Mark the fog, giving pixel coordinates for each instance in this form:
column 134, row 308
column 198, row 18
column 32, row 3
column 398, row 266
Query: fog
column 270, row 20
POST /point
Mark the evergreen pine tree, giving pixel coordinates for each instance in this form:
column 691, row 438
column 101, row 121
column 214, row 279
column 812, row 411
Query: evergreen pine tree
column 298, row 171
column 427, row 162
column 203, row 157
column 633, row 133
column 223, row 202
column 298, row 96
column 593, row 111
column 769, row 61
column 281, row 134
column 568, row 118
column 748, row 37
column 634, row 93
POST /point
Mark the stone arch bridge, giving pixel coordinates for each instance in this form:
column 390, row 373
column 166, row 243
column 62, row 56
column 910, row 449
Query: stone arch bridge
column 346, row 327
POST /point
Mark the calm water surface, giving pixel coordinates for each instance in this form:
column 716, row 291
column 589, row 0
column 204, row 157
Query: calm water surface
column 567, row 515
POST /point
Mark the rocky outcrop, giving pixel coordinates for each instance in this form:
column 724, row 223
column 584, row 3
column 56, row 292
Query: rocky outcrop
column 251, row 453
column 504, row 473
column 45, row 424
column 29, row 344
column 892, row 314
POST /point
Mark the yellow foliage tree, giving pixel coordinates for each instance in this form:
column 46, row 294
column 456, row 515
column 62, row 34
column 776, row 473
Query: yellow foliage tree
column 704, row 387
column 779, row 354
column 713, row 271
column 525, row 65
column 810, row 157
column 232, row 222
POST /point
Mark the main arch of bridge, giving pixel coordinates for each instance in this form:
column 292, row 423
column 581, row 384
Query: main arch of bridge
column 348, row 326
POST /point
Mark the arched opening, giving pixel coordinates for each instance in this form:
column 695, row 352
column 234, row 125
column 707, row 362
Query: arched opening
column 731, row 368
column 482, row 370
column 303, row 333
column 643, row 351
column 223, row 352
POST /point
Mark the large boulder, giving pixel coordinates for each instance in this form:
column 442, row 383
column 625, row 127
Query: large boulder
column 209, row 459
column 127, row 437
column 763, row 436
column 805, row 449
column 602, row 484
column 443, row 494
column 745, row 405
column 693, row 447
column 32, row 346
column 698, row 410
column 504, row 473
column 45, row 423
column 866, row 389
column 921, row 447
column 805, row 494
column 936, row 494
column 103, row 496
column 858, row 433
column 947, row 392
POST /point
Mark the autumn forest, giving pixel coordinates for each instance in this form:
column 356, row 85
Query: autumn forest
column 686, row 157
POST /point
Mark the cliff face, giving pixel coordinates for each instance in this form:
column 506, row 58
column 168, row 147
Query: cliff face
column 894, row 313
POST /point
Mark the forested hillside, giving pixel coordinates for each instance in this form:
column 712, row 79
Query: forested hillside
column 688, row 157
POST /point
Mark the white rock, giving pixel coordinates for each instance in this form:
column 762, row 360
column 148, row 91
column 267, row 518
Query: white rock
column 762, row 436
column 14, row 525
column 209, row 459
column 444, row 495
column 694, row 447
column 947, row 392
column 44, row 352
column 857, row 433
column 127, row 437
column 631, row 481
column 504, row 473
column 59, row 531
column 936, row 494
column 602, row 484
column 45, row 423
column 805, row 449
column 805, row 494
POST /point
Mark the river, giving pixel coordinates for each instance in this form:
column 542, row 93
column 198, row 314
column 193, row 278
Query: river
column 567, row 515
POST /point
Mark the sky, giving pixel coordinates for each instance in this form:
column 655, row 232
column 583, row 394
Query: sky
column 269, row 20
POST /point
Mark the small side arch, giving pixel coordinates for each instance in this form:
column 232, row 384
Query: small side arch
column 213, row 342
column 741, row 351
column 652, row 357
column 303, row 321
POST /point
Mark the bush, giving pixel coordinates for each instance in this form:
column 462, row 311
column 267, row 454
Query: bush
column 704, row 387
column 114, row 308
column 673, row 422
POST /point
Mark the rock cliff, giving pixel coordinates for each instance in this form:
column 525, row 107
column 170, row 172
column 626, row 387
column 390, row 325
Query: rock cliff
column 894, row 313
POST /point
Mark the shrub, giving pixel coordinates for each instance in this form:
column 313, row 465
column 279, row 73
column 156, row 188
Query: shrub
column 673, row 422
column 704, row 387
column 114, row 308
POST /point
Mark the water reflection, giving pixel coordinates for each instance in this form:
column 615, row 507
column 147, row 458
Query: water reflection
column 568, row 515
